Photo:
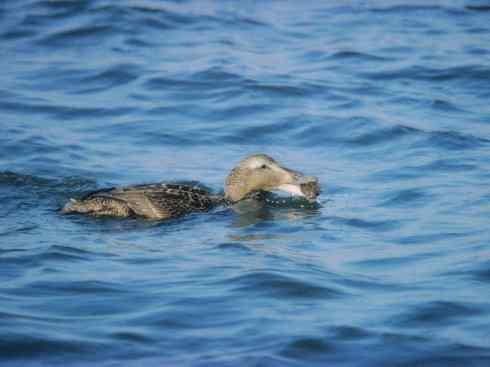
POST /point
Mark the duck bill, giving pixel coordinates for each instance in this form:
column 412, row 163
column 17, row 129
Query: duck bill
column 300, row 185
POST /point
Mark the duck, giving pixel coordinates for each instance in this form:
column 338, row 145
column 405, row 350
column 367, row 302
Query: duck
column 252, row 176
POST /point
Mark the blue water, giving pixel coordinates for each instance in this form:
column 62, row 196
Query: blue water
column 387, row 102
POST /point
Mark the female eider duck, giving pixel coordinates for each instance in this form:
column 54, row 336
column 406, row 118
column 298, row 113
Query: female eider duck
column 253, row 175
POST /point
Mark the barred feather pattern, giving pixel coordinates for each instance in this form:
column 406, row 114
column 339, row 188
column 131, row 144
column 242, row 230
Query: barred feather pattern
column 153, row 201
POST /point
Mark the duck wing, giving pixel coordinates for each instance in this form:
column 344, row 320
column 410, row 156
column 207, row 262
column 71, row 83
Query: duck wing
column 161, row 201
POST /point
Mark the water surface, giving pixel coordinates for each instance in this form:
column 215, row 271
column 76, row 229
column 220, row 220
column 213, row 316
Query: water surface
column 385, row 101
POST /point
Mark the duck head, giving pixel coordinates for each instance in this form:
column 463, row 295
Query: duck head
column 261, row 172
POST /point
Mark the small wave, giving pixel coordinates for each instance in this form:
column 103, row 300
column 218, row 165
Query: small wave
column 348, row 333
column 21, row 346
column 70, row 288
column 478, row 30
column 64, row 7
column 369, row 133
column 285, row 90
column 158, row 24
column 358, row 56
column 469, row 73
column 445, row 106
column 60, row 253
column 161, row 17
column 217, row 74
column 444, row 139
column 408, row 197
column 433, row 313
column 281, row 286
column 430, row 238
column 9, row 178
column 210, row 83
column 453, row 140
column 482, row 8
column 265, row 132
column 455, row 355
column 446, row 165
column 114, row 76
column 171, row 138
column 372, row 225
column 234, row 246
column 135, row 42
column 70, row 37
column 161, row 12
column 478, row 51
column 330, row 129
column 17, row 35
column 392, row 262
column 29, row 193
column 166, row 83
column 383, row 135
column 63, row 113
column 243, row 112
column 480, row 273
column 359, row 282
column 131, row 336
column 404, row 9
column 308, row 347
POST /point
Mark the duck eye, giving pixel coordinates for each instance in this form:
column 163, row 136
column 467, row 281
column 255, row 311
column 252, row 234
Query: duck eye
column 263, row 166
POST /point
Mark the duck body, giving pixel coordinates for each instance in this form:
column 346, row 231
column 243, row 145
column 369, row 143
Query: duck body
column 153, row 201
column 254, row 174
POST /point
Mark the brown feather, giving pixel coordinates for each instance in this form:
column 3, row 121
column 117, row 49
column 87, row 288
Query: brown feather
column 254, row 174
column 154, row 201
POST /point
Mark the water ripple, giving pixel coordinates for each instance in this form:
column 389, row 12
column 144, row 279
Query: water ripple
column 359, row 56
column 280, row 286
column 67, row 37
column 409, row 197
column 386, row 103
column 21, row 347
column 371, row 225
column 434, row 313
column 469, row 73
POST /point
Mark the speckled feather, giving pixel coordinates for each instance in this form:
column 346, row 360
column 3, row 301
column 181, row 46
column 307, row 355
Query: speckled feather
column 155, row 201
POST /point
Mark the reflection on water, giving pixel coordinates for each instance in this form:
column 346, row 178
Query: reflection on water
column 272, row 208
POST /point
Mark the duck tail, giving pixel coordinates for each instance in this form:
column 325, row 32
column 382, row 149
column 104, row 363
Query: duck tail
column 73, row 206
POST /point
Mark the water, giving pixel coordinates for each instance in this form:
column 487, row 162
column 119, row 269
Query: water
column 385, row 101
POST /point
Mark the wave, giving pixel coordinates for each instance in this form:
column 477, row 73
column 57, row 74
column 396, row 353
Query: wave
column 405, row 8
column 467, row 73
column 357, row 56
column 433, row 313
column 386, row 103
column 63, row 112
column 280, row 286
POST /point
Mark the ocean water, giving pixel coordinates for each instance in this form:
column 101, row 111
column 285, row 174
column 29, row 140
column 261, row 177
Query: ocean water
column 387, row 102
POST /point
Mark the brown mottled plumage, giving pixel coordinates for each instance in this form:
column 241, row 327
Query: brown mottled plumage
column 162, row 201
